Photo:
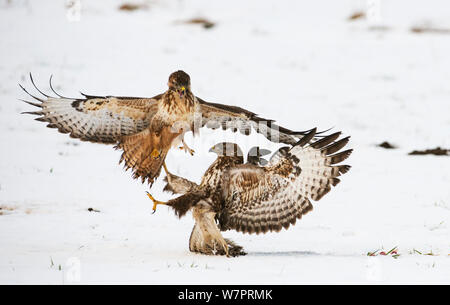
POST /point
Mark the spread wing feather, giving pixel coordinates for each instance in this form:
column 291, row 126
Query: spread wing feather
column 261, row 199
column 102, row 119
column 235, row 118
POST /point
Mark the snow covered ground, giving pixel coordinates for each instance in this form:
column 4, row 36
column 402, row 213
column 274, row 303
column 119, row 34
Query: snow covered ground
column 302, row 63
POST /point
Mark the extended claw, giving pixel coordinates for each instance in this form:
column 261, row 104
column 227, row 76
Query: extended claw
column 155, row 202
column 187, row 148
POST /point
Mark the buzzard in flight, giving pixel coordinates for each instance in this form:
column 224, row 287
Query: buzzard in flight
column 146, row 128
column 256, row 199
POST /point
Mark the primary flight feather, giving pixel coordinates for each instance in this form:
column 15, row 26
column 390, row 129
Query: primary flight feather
column 251, row 198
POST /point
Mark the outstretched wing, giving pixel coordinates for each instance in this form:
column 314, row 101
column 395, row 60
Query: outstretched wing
column 261, row 199
column 102, row 119
column 235, row 118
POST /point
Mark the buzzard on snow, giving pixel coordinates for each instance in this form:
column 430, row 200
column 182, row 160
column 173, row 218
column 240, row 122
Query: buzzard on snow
column 256, row 199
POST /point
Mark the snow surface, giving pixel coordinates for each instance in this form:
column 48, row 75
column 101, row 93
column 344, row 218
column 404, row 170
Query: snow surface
column 303, row 64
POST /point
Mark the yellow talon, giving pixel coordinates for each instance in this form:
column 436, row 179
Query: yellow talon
column 187, row 149
column 155, row 153
column 155, row 202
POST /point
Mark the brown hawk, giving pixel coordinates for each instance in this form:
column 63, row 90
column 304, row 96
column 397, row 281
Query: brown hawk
column 254, row 199
column 146, row 128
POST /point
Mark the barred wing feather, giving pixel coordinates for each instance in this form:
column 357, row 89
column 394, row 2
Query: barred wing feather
column 261, row 199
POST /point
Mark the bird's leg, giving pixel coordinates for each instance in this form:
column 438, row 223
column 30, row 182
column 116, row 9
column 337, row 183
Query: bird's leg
column 186, row 148
column 155, row 202
column 165, row 168
column 168, row 175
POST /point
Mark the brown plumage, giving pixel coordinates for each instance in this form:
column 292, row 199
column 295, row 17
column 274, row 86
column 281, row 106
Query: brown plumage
column 146, row 128
column 251, row 198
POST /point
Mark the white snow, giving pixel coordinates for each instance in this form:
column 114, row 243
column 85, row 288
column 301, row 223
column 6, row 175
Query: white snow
column 301, row 63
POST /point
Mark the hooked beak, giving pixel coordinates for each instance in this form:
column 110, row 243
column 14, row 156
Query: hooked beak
column 182, row 91
column 211, row 149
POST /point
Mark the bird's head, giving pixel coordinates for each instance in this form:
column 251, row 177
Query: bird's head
column 180, row 82
column 255, row 156
column 227, row 149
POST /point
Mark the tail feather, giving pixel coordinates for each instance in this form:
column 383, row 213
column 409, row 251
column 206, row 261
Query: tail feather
column 137, row 153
